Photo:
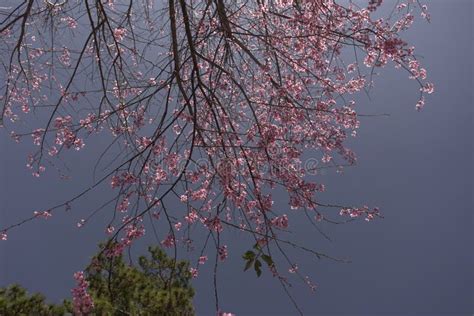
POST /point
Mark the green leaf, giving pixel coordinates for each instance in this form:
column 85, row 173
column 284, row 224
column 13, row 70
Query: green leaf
column 248, row 264
column 268, row 260
column 257, row 247
column 249, row 255
column 258, row 267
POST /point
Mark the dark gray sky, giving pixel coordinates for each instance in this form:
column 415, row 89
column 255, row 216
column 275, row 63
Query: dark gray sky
column 417, row 167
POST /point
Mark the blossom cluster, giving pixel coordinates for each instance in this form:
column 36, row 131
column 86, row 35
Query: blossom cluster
column 211, row 110
column 82, row 301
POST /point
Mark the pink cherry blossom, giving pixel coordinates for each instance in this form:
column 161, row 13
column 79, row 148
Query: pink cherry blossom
column 194, row 272
column 206, row 112
column 202, row 259
column 82, row 301
column 119, row 34
column 222, row 252
column 168, row 242
column 280, row 221
column 70, row 21
column 44, row 214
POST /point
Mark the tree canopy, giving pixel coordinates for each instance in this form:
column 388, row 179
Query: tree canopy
column 158, row 285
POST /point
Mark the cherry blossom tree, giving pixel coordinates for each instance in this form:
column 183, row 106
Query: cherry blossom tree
column 209, row 105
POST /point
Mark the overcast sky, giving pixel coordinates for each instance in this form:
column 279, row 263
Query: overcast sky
column 417, row 167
